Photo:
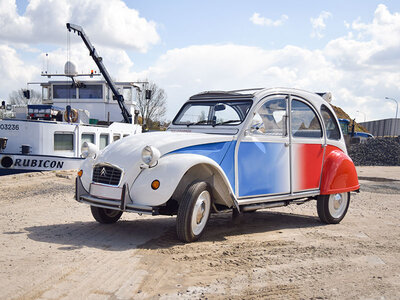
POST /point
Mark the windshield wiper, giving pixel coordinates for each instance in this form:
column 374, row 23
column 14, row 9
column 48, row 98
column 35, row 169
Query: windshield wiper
column 226, row 122
column 196, row 123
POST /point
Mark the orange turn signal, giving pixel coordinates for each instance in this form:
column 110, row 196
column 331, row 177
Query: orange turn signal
column 80, row 173
column 155, row 184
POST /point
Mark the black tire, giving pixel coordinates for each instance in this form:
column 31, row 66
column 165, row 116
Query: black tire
column 104, row 215
column 192, row 219
column 332, row 210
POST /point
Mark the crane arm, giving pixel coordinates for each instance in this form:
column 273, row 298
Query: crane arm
column 98, row 60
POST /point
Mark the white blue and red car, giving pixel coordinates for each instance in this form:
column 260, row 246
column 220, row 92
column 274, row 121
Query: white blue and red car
column 242, row 150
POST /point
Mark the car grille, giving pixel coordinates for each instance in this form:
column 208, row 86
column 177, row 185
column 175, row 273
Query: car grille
column 106, row 175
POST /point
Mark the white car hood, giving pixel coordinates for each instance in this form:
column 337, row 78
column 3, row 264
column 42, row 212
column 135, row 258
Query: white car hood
column 127, row 152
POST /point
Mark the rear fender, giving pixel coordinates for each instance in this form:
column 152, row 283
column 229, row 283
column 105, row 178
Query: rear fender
column 175, row 172
column 339, row 174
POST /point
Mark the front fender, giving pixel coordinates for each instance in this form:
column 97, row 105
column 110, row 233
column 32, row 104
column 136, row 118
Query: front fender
column 339, row 174
column 87, row 168
column 169, row 171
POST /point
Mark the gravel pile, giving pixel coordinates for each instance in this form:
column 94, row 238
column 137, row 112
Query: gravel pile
column 376, row 152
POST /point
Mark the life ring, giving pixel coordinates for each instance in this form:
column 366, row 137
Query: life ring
column 74, row 115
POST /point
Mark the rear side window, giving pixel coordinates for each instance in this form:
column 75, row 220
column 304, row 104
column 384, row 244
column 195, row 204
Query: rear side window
column 331, row 126
column 305, row 122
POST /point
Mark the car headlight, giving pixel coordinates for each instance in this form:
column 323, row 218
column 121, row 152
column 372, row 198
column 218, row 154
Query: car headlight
column 89, row 150
column 150, row 155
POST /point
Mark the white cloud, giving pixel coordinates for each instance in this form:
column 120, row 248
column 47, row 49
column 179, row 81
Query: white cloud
column 228, row 67
column 318, row 24
column 350, row 67
column 359, row 68
column 14, row 72
column 108, row 22
column 258, row 20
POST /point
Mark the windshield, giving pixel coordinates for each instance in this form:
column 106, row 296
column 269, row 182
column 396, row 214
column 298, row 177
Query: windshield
column 213, row 113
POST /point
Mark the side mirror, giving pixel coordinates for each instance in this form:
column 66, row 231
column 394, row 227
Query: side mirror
column 219, row 107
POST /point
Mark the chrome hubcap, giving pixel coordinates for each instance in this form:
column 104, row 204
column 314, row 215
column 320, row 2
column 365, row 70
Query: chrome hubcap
column 337, row 204
column 201, row 211
column 337, row 201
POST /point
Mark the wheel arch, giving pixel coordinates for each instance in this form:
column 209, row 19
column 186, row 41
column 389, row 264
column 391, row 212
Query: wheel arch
column 177, row 171
column 339, row 174
column 222, row 192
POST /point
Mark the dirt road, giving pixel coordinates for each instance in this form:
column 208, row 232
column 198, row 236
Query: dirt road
column 51, row 248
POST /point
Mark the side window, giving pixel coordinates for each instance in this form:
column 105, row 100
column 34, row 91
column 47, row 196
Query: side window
column 304, row 121
column 103, row 141
column 64, row 141
column 87, row 137
column 270, row 119
column 91, row 92
column 332, row 128
column 116, row 137
column 64, row 92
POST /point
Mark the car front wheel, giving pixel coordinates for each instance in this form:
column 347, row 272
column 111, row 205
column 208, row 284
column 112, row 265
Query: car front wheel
column 332, row 208
column 104, row 215
column 193, row 212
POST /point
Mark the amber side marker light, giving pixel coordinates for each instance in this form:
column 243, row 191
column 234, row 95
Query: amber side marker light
column 155, row 184
column 80, row 173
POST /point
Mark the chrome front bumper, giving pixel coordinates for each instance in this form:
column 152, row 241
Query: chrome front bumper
column 123, row 204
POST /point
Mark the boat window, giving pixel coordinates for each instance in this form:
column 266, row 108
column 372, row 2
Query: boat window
column 65, row 91
column 127, row 93
column 270, row 119
column 103, row 141
column 305, row 122
column 116, row 137
column 91, row 92
column 45, row 93
column 87, row 137
column 331, row 126
column 63, row 141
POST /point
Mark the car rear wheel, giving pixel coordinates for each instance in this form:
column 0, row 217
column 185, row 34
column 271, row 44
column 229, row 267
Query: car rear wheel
column 193, row 212
column 104, row 215
column 332, row 208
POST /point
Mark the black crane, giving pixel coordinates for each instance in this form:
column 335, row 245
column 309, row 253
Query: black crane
column 98, row 60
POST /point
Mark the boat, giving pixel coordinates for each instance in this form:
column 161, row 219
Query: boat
column 41, row 137
column 51, row 136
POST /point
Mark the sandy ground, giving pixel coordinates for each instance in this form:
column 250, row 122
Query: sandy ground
column 51, row 248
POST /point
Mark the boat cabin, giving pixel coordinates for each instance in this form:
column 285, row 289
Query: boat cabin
column 93, row 96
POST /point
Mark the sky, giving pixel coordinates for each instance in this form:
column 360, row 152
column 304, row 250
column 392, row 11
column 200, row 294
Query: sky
column 349, row 48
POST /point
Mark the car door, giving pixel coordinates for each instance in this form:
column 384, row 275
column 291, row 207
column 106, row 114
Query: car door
column 307, row 146
column 263, row 164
